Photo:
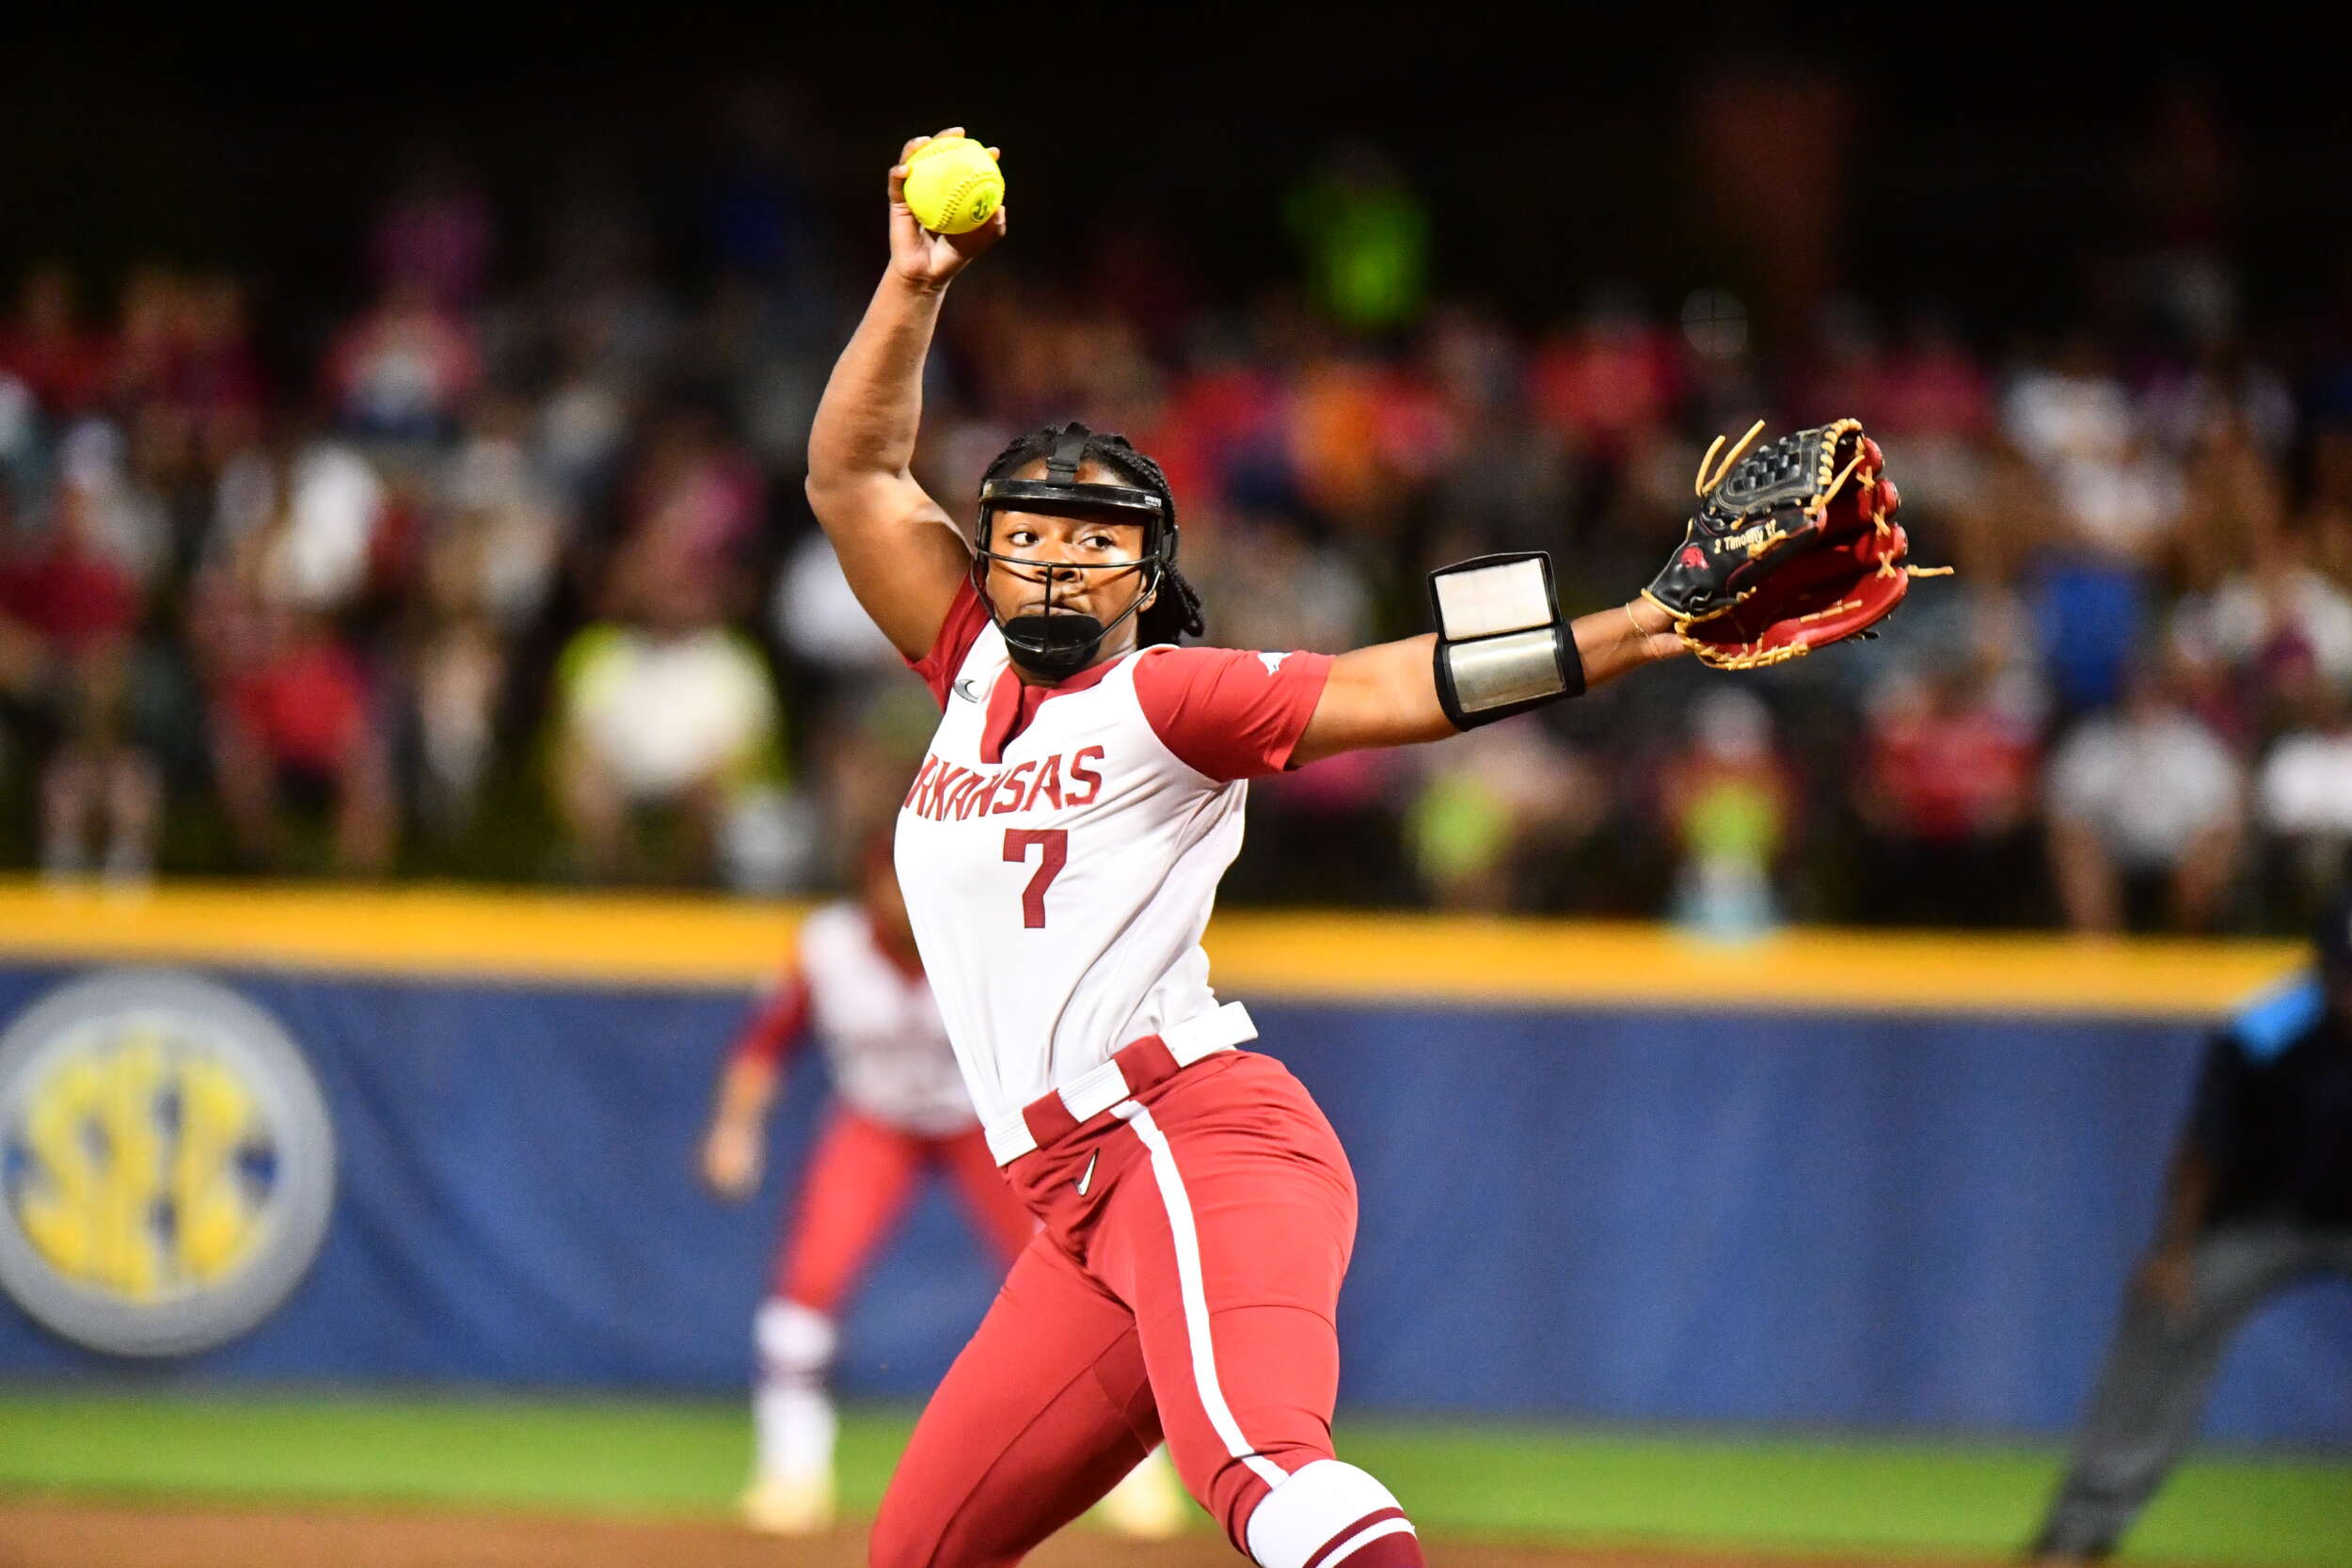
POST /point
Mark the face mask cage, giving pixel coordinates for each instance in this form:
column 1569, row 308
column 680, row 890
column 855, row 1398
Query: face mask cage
column 1051, row 640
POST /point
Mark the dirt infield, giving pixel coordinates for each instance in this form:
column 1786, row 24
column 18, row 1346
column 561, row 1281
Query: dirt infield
column 48, row 1534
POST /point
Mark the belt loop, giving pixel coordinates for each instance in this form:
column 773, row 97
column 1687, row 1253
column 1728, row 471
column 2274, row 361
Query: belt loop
column 1145, row 1063
column 1048, row 1119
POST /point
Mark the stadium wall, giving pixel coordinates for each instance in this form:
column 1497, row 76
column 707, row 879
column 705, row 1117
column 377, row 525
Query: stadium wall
column 1886, row 1182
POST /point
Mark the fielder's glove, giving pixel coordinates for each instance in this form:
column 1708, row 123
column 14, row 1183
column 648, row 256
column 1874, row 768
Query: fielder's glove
column 1795, row 546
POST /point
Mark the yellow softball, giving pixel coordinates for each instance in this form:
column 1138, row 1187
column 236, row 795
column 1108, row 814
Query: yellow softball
column 953, row 185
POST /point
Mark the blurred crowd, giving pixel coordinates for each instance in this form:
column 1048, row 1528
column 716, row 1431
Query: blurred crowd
column 507, row 572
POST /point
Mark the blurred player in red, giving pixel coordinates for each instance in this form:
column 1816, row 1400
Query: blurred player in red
column 856, row 984
column 1060, row 849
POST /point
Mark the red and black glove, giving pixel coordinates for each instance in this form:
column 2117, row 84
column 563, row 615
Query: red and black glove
column 1794, row 546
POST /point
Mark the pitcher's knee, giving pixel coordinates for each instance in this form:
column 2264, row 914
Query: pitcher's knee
column 1329, row 1514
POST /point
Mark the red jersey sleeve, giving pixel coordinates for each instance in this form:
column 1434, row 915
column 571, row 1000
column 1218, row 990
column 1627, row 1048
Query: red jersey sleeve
column 1227, row 713
column 775, row 1028
column 967, row 617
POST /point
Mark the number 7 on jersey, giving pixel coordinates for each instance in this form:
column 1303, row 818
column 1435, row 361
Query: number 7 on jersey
column 1053, row 853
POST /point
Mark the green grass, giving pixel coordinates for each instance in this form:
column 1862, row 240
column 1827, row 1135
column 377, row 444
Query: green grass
column 1782, row 1492
column 686, row 1458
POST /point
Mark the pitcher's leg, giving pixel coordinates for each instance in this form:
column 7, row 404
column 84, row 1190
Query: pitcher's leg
column 1148, row 1504
column 1045, row 1409
column 1230, row 1241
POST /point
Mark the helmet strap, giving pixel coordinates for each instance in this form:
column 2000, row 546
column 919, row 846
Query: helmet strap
column 1068, row 451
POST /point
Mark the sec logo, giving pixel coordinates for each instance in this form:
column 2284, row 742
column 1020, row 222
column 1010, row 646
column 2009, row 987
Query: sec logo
column 167, row 1166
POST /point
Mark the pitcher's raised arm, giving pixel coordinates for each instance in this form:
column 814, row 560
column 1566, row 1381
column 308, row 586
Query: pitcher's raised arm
column 903, row 556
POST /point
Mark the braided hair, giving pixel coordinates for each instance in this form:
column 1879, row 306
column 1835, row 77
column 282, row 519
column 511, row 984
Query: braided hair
column 1175, row 613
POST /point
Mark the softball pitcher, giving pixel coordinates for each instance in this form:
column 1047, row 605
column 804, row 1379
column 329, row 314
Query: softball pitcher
column 1059, row 852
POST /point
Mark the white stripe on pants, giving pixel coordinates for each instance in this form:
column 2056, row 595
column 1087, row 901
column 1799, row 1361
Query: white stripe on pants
column 1195, row 1300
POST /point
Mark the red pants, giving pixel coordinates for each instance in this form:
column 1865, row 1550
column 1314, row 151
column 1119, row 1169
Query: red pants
column 857, row 1185
column 1184, row 1286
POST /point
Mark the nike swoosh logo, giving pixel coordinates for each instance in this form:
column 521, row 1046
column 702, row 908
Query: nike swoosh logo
column 964, row 689
column 1086, row 1177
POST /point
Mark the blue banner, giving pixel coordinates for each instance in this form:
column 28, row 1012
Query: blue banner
column 1888, row 1222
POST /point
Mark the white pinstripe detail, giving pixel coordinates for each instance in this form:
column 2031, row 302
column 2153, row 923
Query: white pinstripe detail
column 1187, row 1239
column 1365, row 1537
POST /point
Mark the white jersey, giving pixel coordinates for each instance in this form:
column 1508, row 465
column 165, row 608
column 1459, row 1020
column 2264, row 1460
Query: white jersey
column 1062, row 846
column 878, row 1024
